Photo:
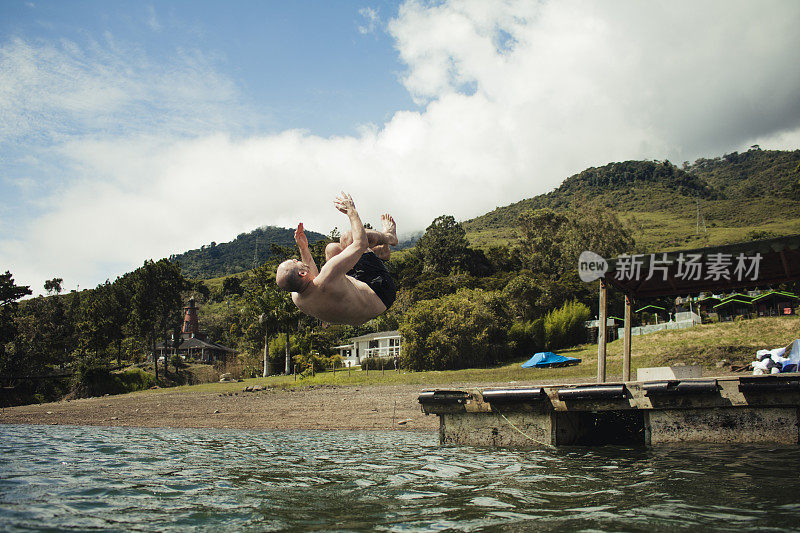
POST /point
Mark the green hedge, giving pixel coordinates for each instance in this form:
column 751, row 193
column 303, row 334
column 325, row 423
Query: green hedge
column 95, row 379
column 462, row 330
column 374, row 363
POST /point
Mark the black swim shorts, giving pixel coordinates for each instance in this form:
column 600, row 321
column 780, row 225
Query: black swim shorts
column 371, row 270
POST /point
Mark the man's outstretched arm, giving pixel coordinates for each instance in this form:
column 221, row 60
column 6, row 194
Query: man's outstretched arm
column 305, row 253
column 341, row 263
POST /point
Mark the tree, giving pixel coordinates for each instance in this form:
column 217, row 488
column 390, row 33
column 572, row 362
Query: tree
column 57, row 326
column 200, row 290
column 503, row 258
column 95, row 327
column 543, row 234
column 794, row 188
column 522, row 294
column 271, row 312
column 119, row 313
column 10, row 292
column 106, row 311
column 280, row 314
column 443, row 245
column 156, row 301
column 41, row 342
column 30, row 353
column 552, row 241
column 231, row 286
column 53, row 285
column 406, row 268
column 461, row 330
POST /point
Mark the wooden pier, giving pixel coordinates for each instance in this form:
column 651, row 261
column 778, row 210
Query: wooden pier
column 724, row 410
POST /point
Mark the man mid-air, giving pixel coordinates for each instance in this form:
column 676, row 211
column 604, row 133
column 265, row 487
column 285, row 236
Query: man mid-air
column 353, row 285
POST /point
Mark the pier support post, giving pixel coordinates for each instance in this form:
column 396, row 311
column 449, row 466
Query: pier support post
column 601, row 334
column 626, row 343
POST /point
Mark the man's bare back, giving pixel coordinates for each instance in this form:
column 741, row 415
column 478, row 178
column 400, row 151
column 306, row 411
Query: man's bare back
column 329, row 293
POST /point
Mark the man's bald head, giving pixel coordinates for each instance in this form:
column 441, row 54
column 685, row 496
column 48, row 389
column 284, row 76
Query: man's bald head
column 291, row 276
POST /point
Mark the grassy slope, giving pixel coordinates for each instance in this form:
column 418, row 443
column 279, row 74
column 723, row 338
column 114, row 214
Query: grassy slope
column 738, row 196
column 705, row 345
column 664, row 231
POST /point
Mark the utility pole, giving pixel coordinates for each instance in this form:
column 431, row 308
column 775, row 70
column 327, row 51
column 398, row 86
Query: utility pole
column 697, row 204
column 700, row 218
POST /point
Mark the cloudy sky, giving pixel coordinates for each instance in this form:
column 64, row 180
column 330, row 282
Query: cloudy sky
column 134, row 130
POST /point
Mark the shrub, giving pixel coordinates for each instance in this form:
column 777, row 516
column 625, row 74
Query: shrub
column 376, row 363
column 461, row 330
column 134, row 379
column 277, row 347
column 250, row 371
column 93, row 378
column 565, row 327
column 177, row 362
column 320, row 362
column 526, row 337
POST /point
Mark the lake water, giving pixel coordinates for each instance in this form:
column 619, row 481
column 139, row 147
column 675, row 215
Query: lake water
column 123, row 479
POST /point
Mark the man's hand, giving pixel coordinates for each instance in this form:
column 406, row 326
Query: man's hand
column 337, row 266
column 345, row 204
column 300, row 236
column 305, row 254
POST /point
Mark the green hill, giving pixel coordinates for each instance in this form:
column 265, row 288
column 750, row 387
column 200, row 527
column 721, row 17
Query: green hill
column 737, row 196
column 243, row 253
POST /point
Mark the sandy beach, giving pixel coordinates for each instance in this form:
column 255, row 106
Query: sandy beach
column 375, row 407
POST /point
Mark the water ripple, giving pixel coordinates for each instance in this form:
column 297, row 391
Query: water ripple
column 122, row 479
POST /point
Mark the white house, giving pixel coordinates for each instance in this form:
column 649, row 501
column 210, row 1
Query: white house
column 380, row 344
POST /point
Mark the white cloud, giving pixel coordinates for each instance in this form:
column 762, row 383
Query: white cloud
column 51, row 91
column 371, row 20
column 152, row 19
column 517, row 95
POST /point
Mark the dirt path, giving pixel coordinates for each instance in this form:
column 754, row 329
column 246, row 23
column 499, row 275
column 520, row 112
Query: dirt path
column 369, row 407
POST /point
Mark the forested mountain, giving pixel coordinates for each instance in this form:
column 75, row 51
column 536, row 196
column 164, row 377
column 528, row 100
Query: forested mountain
column 712, row 201
column 243, row 253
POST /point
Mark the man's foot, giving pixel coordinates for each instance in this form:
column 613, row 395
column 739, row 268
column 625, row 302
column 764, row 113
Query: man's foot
column 389, row 229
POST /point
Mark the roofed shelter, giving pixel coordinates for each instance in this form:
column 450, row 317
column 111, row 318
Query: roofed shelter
column 593, row 327
column 775, row 303
column 733, row 306
column 761, row 263
column 653, row 310
column 707, row 303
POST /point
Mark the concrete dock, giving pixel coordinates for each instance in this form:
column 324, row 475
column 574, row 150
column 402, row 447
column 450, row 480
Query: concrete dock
column 723, row 410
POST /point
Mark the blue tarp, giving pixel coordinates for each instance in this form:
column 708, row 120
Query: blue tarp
column 543, row 359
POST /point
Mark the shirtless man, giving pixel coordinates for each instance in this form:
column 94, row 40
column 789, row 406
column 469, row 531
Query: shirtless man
column 353, row 285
